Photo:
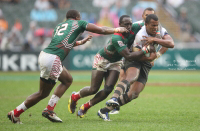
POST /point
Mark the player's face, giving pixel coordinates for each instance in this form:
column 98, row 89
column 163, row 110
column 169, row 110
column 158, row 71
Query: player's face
column 127, row 23
column 146, row 13
column 152, row 27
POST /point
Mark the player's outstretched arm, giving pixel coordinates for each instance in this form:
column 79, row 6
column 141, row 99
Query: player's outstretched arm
column 166, row 41
column 105, row 30
column 83, row 41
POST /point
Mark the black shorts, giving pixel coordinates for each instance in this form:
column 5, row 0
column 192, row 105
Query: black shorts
column 144, row 68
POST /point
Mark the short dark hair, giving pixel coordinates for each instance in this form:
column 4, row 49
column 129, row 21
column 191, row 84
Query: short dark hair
column 72, row 14
column 122, row 17
column 149, row 9
column 151, row 16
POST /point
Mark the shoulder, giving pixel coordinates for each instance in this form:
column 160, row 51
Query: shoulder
column 118, row 36
column 82, row 22
column 138, row 23
column 142, row 32
column 163, row 31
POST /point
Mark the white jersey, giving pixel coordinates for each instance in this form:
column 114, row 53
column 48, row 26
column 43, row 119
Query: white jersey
column 139, row 36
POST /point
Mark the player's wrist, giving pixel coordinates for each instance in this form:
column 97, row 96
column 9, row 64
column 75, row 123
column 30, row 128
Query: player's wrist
column 116, row 30
column 79, row 43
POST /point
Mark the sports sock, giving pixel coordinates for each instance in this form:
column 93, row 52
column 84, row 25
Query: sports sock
column 19, row 110
column 52, row 102
column 121, row 88
column 87, row 106
column 123, row 99
column 76, row 97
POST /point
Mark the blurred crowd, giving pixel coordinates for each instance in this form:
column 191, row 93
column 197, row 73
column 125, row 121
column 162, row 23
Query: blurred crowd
column 182, row 19
column 36, row 38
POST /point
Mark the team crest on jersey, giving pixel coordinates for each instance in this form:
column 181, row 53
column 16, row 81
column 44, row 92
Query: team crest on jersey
column 120, row 43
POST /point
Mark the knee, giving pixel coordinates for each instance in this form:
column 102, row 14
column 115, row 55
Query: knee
column 108, row 89
column 131, row 79
column 93, row 90
column 68, row 81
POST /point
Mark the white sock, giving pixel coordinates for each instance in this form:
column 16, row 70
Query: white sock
column 21, row 106
column 54, row 99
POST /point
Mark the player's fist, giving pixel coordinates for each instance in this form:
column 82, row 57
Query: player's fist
column 121, row 30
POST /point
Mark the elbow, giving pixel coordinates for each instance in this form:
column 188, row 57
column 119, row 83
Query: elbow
column 171, row 45
column 151, row 59
column 102, row 31
column 128, row 58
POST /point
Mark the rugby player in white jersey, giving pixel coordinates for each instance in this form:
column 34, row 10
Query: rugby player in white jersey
column 141, row 68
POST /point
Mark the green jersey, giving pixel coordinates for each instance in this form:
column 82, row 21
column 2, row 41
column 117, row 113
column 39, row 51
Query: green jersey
column 134, row 30
column 65, row 36
column 116, row 44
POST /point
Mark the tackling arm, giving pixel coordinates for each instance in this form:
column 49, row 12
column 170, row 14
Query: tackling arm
column 105, row 30
column 133, row 55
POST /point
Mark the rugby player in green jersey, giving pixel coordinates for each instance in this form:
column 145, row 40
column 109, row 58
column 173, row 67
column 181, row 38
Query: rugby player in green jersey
column 139, row 69
column 50, row 61
column 106, row 65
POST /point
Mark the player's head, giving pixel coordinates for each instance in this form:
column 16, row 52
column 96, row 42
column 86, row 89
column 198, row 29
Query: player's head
column 73, row 14
column 125, row 21
column 151, row 24
column 147, row 12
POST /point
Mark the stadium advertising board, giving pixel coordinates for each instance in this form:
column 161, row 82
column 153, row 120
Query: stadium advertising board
column 186, row 59
column 21, row 61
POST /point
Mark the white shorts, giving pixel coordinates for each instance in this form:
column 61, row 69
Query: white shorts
column 102, row 64
column 50, row 66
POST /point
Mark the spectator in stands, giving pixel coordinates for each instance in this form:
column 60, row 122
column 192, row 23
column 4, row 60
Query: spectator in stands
column 18, row 24
column 43, row 11
column 117, row 10
column 3, row 22
column 63, row 4
column 30, row 37
column 60, row 4
column 105, row 19
column 42, row 4
column 3, row 39
column 103, row 3
column 185, row 25
column 14, row 42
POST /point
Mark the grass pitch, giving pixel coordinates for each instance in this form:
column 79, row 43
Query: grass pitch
column 169, row 102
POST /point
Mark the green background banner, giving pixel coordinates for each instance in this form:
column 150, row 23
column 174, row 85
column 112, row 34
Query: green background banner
column 185, row 59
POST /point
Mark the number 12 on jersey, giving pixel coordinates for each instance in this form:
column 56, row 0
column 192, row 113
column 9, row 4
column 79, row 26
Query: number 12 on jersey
column 59, row 30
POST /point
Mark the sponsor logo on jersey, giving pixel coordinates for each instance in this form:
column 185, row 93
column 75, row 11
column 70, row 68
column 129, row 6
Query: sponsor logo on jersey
column 120, row 43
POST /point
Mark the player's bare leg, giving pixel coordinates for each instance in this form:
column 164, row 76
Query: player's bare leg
column 122, row 75
column 132, row 74
column 66, row 80
column 111, row 78
column 44, row 91
column 96, row 81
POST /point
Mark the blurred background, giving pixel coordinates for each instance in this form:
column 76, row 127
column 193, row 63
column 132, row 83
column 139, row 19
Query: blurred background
column 26, row 27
